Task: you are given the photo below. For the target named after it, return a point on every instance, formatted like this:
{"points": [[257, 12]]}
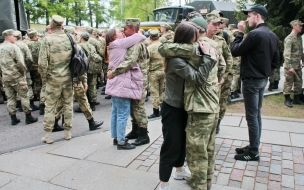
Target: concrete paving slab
{"points": [[31, 184], [35, 165], [109, 154], [177, 184], [6, 178], [91, 175], [239, 133], [231, 120], [222, 187], [275, 137], [297, 139], [48, 147]]}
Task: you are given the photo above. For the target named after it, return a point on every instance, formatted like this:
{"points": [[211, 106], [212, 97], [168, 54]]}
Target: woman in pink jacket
{"points": [[123, 87]]}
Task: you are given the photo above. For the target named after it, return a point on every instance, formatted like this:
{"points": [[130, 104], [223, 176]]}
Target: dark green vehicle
{"points": [[12, 16]]}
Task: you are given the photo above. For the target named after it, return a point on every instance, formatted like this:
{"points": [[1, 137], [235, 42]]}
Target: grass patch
{"points": [[273, 105]]}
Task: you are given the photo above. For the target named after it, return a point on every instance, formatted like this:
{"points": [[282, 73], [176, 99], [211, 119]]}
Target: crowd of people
{"points": [[190, 74]]}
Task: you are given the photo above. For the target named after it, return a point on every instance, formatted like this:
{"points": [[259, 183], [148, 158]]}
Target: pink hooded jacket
{"points": [[130, 83]]}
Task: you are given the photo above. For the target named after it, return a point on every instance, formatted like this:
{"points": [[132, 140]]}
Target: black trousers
{"points": [[173, 149]]}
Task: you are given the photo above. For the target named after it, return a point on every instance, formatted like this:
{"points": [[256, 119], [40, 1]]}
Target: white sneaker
{"points": [[181, 175], [165, 188]]}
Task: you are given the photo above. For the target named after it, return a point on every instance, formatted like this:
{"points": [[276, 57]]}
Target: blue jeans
{"points": [[119, 118], [253, 92]]}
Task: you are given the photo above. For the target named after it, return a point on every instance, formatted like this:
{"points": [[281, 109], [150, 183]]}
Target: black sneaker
{"points": [[241, 150], [115, 142], [247, 156], [125, 146]]}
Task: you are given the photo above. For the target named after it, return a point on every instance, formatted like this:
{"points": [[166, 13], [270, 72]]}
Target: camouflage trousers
{"points": [[42, 93], [92, 93], [200, 145], [81, 98], [225, 92], [1, 85], [236, 77], [293, 79], [37, 82], [138, 111], [58, 94], [11, 91], [104, 71], [275, 75], [30, 94], [156, 84]]}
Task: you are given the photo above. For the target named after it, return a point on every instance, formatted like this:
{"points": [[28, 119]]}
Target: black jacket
{"points": [[259, 52]]}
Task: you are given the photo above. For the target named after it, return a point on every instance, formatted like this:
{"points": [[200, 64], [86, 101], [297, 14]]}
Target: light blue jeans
{"points": [[120, 113]]}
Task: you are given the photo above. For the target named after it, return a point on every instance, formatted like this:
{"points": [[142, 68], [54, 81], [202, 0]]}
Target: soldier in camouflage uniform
{"points": [[213, 23], [156, 73], [136, 54], [167, 33], [236, 68], [293, 55], [28, 60], [53, 66], [202, 106], [13, 73]]}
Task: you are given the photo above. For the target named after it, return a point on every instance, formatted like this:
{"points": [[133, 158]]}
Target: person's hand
{"points": [[109, 74], [205, 47], [222, 81], [242, 26], [292, 70], [85, 86]]}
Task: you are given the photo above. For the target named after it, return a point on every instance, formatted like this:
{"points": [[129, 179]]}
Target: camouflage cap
{"points": [[230, 26], [32, 34], [57, 20], [89, 29], [17, 34], [218, 12], [200, 21], [235, 32], [142, 31], [99, 32], [296, 22], [132, 22], [154, 33], [8, 32], [166, 26], [30, 30], [215, 18], [85, 36], [94, 32], [192, 15], [225, 20], [70, 30]]}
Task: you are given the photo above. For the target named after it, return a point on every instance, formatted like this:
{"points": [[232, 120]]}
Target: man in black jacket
{"points": [[259, 53]]}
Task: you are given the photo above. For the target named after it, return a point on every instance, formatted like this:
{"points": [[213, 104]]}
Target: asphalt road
{"points": [[22, 136]]}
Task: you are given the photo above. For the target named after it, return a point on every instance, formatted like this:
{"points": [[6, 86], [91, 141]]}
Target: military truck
{"points": [[12, 16], [173, 15]]}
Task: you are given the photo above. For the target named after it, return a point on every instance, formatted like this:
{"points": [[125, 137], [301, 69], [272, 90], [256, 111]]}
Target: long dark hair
{"points": [[110, 37]]}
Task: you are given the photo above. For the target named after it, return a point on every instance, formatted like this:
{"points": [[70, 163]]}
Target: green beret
{"points": [[32, 34], [215, 18], [296, 22], [132, 22], [85, 36], [17, 34], [57, 20], [8, 32], [167, 26], [200, 21], [154, 33]]}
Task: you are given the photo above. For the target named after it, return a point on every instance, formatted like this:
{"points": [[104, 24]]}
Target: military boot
{"points": [[78, 110], [14, 121], [297, 99], [155, 114], [1, 99], [41, 109], [19, 106], [57, 127], [67, 135], [270, 86], [143, 137], [288, 101], [134, 134], [48, 138], [92, 105], [97, 103], [218, 127], [94, 125], [30, 119], [275, 85], [34, 108]]}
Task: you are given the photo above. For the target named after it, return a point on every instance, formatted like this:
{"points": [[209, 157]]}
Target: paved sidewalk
{"points": [[92, 162]]}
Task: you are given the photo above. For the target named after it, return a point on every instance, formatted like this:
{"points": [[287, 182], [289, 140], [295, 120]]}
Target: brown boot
{"points": [[48, 138]]}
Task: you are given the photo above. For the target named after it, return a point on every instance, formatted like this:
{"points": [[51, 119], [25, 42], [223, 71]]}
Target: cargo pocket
{"points": [[22, 88]]}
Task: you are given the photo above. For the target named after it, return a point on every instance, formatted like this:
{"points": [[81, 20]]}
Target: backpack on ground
{"points": [[79, 63]]}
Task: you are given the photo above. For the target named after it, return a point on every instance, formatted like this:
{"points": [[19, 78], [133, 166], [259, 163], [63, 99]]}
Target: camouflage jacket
{"points": [[166, 37], [34, 47], [197, 98], [95, 66], [156, 62], [99, 46], [11, 62], [135, 54], [26, 54], [54, 57], [225, 51], [293, 52]]}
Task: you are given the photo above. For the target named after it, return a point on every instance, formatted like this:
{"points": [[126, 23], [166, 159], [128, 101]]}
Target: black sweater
{"points": [[259, 52]]}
